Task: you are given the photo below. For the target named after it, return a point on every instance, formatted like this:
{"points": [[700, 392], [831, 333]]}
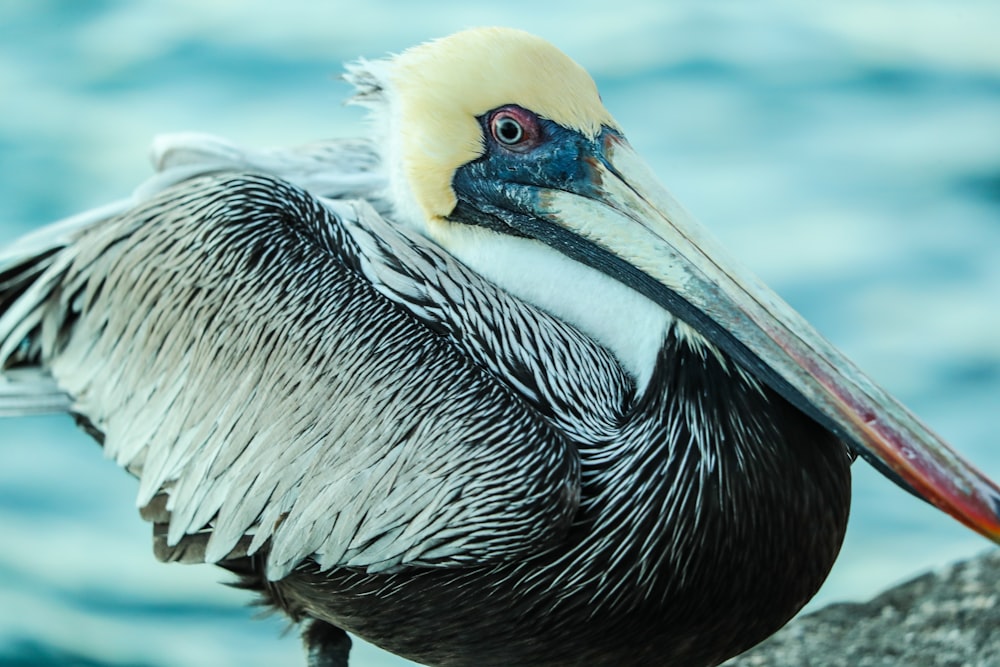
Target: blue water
{"points": [[847, 152]]}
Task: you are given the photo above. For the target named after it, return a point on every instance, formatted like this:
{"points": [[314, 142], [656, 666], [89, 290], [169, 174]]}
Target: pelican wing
{"points": [[221, 337]]}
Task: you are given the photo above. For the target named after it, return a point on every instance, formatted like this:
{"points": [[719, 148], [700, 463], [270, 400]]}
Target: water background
{"points": [[847, 152]]}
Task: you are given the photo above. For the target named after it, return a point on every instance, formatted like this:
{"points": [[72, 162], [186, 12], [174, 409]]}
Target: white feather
{"points": [[625, 322]]}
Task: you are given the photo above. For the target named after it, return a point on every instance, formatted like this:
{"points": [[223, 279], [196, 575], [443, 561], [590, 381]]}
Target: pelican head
{"points": [[500, 150]]}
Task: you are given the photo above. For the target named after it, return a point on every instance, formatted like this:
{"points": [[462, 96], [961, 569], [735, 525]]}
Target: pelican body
{"points": [[476, 389]]}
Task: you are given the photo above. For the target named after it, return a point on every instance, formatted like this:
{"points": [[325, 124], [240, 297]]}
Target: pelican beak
{"points": [[625, 223]]}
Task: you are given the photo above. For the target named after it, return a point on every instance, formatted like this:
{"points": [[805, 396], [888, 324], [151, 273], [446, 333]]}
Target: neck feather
{"points": [[625, 322]]}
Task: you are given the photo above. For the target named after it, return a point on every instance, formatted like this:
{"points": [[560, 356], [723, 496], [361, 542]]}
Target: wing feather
{"points": [[222, 338]]}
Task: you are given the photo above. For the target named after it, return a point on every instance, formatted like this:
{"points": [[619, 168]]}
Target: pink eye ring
{"points": [[515, 128]]}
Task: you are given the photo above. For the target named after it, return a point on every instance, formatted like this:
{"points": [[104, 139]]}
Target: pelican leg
{"points": [[326, 645]]}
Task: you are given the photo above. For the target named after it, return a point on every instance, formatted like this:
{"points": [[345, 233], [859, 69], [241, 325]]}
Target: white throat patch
{"points": [[625, 322]]}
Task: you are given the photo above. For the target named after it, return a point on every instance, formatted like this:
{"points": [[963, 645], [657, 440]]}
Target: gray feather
{"points": [[227, 338]]}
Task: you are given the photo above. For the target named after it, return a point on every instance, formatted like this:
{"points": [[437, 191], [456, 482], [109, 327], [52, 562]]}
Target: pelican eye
{"points": [[515, 128], [508, 131]]}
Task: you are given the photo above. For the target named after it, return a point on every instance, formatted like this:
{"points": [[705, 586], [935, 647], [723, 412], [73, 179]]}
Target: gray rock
{"points": [[949, 618]]}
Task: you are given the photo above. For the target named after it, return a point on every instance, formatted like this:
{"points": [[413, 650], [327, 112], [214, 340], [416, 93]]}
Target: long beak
{"points": [[636, 231]]}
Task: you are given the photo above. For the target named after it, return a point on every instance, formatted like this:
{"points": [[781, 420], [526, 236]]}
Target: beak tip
{"points": [[994, 500], [986, 522]]}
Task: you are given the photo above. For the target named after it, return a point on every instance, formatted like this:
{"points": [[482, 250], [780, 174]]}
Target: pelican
{"points": [[477, 389]]}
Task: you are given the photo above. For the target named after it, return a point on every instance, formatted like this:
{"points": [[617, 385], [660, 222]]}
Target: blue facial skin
{"points": [[501, 191]]}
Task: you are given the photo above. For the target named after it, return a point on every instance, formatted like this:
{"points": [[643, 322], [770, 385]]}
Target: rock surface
{"points": [[948, 618]]}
